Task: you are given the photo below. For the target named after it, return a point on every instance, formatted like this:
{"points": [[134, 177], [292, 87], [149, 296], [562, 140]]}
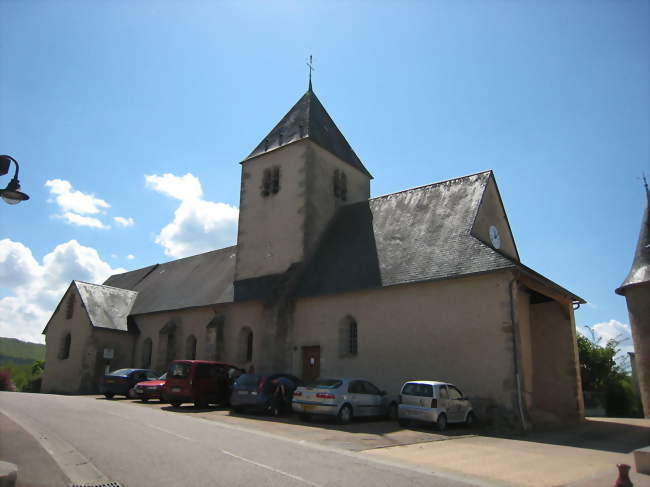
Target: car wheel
{"points": [[392, 412], [200, 404], [441, 424], [305, 417], [471, 420], [403, 422], [108, 395], [175, 404], [345, 414]]}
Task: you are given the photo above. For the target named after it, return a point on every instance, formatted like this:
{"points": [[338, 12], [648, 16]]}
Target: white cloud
{"points": [[198, 225], [124, 222], [182, 188], [76, 201], [83, 221], [130, 257], [38, 287]]}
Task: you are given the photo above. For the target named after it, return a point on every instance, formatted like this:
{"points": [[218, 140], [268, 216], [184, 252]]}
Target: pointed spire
{"points": [[311, 68], [308, 119], [640, 271]]}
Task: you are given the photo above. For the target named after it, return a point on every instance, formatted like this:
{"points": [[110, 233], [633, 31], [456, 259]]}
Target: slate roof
{"points": [[107, 307], [200, 280], [309, 119], [416, 235], [640, 270]]}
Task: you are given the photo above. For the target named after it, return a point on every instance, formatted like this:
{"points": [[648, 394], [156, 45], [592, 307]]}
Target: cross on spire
{"points": [[311, 68]]}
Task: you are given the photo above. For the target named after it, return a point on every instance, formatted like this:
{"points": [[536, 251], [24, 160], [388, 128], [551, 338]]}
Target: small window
{"points": [[271, 181], [443, 393], [179, 371], [340, 185], [69, 308], [65, 346], [371, 389], [356, 387], [348, 337]]}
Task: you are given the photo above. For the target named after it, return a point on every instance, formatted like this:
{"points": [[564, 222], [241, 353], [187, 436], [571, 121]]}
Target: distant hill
{"points": [[19, 352]]}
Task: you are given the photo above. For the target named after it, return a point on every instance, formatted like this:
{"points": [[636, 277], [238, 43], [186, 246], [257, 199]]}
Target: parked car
{"points": [[251, 391], [150, 389], [122, 380], [343, 398], [199, 381], [434, 402]]}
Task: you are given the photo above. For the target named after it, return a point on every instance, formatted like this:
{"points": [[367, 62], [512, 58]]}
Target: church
{"points": [[324, 281]]}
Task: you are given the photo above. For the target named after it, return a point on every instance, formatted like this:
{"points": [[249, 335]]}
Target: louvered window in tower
{"points": [[271, 181], [340, 185]]}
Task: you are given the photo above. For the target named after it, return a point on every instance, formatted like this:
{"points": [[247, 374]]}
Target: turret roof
{"points": [[640, 271], [309, 119]]}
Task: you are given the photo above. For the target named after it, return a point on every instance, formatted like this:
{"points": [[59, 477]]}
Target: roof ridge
{"points": [[430, 184]]}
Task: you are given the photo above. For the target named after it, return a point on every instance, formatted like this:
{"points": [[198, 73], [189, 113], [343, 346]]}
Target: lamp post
{"points": [[11, 194]]}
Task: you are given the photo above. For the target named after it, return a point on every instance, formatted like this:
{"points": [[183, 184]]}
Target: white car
{"points": [[433, 402]]}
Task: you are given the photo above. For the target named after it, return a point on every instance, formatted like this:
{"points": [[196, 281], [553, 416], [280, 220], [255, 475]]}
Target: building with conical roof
{"points": [[636, 289], [425, 283]]}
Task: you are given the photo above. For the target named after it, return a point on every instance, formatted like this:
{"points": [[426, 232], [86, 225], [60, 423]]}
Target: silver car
{"points": [[343, 398], [434, 402]]}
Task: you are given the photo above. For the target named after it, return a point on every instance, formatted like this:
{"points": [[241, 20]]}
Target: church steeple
{"points": [[309, 119], [640, 271]]}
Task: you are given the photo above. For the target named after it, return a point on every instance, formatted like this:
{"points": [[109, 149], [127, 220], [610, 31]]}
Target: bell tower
{"points": [[291, 185], [636, 289]]}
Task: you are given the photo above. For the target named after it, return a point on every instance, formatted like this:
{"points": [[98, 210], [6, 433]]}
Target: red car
{"points": [[199, 381], [150, 389]]}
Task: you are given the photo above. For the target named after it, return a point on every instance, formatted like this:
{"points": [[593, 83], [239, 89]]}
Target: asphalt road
{"points": [[95, 440]]}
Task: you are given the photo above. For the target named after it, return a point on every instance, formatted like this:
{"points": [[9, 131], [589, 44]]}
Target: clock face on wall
{"points": [[495, 238]]}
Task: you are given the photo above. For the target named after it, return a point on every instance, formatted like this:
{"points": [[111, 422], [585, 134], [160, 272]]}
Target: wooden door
{"points": [[310, 363]]}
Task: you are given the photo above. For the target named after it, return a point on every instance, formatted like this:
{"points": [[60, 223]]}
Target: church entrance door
{"points": [[310, 363]]}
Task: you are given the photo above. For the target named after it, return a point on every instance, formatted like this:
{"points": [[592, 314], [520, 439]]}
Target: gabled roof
{"points": [[415, 235], [107, 307], [308, 119], [640, 270], [200, 280]]}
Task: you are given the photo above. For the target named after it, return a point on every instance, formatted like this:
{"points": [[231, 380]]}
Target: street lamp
{"points": [[11, 194]]}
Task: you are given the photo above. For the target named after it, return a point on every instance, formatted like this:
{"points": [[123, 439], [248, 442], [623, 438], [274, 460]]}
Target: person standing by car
{"points": [[280, 397]]}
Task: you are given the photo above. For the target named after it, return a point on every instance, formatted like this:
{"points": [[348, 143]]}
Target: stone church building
{"points": [[424, 283]]}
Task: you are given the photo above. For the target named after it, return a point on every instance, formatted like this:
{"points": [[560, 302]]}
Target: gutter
{"points": [[515, 351]]}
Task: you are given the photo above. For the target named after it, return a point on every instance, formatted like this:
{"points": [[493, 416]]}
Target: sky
{"points": [[129, 121]]}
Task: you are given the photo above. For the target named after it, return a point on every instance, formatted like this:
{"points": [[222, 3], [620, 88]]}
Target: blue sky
{"points": [[96, 96]]}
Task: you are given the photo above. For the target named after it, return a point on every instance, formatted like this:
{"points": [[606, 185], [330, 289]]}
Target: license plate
{"points": [[308, 407], [242, 393], [176, 389]]}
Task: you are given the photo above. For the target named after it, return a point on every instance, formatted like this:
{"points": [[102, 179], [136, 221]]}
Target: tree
{"points": [[601, 373]]}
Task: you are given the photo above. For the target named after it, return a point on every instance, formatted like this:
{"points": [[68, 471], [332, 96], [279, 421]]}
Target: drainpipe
{"points": [[515, 330]]}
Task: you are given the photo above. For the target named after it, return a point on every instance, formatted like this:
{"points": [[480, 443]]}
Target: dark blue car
{"points": [[122, 380], [267, 393]]}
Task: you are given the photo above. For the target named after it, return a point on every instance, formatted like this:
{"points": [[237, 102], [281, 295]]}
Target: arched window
{"points": [[246, 344], [146, 353], [65, 346], [348, 337], [190, 348]]}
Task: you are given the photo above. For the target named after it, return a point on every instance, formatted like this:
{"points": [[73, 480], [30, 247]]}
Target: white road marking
{"points": [[169, 432], [267, 467]]}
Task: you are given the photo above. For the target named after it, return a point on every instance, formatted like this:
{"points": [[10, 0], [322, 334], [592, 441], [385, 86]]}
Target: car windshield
{"points": [[325, 384], [180, 371], [247, 380], [121, 372], [163, 377]]}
